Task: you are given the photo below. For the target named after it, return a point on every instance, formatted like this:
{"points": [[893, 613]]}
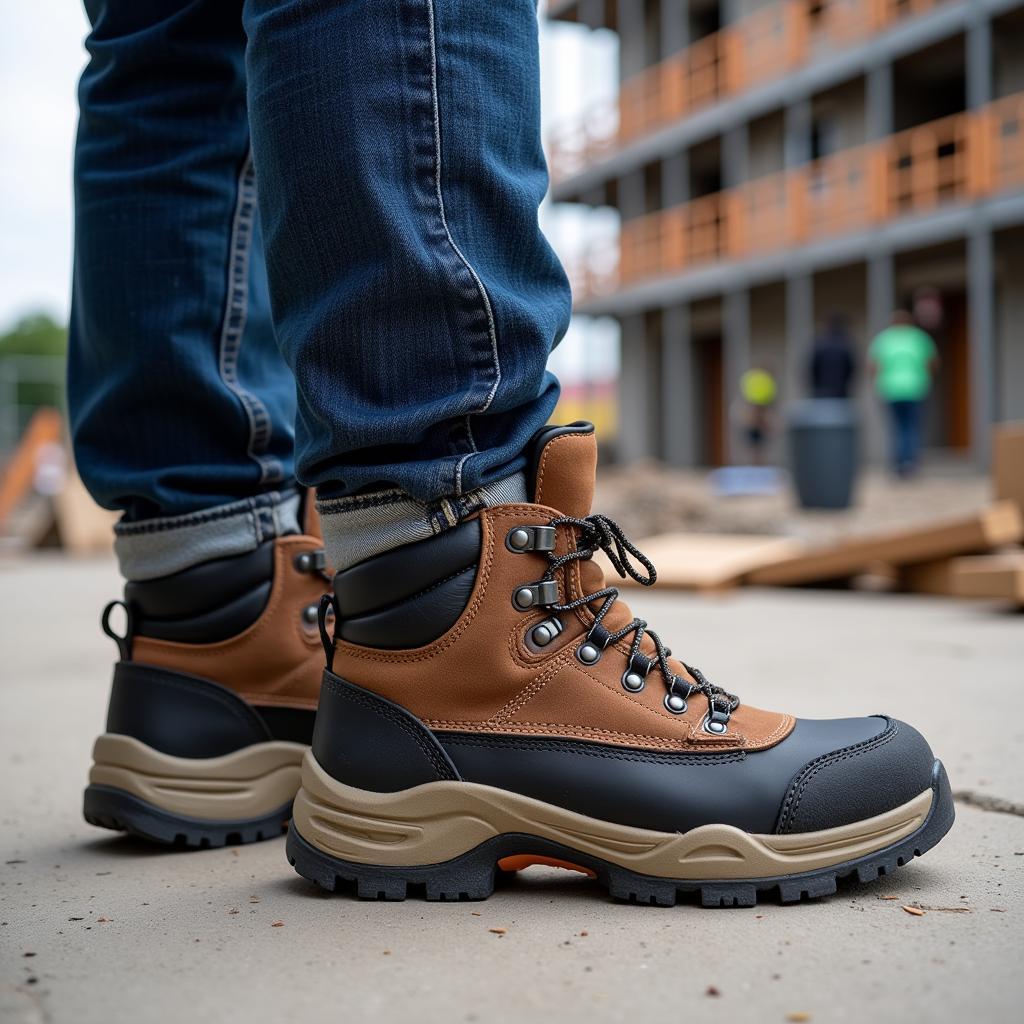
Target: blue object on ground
{"points": [[733, 481]]}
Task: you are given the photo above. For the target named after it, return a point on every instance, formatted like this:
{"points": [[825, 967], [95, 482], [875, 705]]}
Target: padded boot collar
{"points": [[563, 468], [275, 660]]}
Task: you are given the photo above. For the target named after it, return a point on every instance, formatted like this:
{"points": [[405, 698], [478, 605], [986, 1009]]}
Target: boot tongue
{"points": [[565, 462]]}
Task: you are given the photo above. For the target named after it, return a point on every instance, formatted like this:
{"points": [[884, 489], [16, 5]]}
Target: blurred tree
{"points": [[36, 335]]}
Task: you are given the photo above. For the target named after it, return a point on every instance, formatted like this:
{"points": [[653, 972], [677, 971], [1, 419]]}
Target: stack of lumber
{"points": [[997, 576], [978, 555], [906, 550], [973, 556], [707, 561]]}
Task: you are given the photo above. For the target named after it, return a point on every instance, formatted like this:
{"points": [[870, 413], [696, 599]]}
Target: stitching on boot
{"points": [[395, 717], [228, 700], [560, 729], [791, 804], [619, 755]]}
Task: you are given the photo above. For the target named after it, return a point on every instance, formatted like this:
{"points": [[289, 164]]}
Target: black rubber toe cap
{"points": [[858, 780]]}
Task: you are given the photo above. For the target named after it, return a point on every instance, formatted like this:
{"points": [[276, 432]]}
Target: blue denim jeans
{"points": [[906, 435], [307, 245]]}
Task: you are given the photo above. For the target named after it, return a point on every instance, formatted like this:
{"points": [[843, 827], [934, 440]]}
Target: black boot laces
{"points": [[598, 532]]}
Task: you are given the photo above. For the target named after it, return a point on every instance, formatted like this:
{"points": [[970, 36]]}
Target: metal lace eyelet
{"points": [[540, 635], [543, 634], [633, 681], [531, 595], [675, 703], [716, 723], [530, 538], [310, 614], [635, 677], [588, 653], [311, 561]]}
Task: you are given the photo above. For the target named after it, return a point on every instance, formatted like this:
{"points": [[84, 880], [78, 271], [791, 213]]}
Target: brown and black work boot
{"points": [[490, 703], [213, 700]]}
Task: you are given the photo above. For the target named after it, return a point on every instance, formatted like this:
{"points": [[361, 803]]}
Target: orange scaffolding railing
{"points": [[957, 159], [768, 43]]}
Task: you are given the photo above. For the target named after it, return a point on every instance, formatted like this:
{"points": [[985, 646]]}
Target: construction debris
{"points": [[1008, 462], [709, 562], [997, 577], [967, 555], [999, 525]]}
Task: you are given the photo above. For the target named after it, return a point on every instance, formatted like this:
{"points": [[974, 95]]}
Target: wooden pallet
{"points": [[1008, 462], [707, 561], [997, 577], [998, 525]]}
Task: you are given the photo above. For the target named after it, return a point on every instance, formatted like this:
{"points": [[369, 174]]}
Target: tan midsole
{"points": [[247, 783], [441, 820]]}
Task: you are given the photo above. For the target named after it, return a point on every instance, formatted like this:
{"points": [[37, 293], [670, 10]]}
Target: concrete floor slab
{"points": [[123, 932]]}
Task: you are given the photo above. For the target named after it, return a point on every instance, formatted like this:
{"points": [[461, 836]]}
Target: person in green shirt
{"points": [[903, 359]]}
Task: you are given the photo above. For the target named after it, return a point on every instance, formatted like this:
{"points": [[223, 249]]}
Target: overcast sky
{"points": [[40, 60], [41, 57]]}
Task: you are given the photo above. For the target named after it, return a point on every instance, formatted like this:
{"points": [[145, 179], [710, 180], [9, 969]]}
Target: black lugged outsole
{"points": [[115, 809], [472, 875]]}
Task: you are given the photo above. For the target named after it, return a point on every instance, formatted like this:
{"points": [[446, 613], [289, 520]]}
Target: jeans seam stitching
{"points": [[236, 311], [485, 299]]}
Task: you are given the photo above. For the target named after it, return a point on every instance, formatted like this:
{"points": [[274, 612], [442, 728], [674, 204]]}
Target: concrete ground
{"points": [[96, 927]]}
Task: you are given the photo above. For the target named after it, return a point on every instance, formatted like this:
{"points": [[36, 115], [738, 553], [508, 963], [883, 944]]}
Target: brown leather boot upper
{"points": [[278, 660], [484, 676]]}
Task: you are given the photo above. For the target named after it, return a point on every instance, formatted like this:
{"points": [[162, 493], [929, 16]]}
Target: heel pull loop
{"points": [[124, 643], [328, 603]]}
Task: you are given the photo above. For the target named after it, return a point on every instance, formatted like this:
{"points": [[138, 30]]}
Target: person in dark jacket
{"points": [[833, 365]]}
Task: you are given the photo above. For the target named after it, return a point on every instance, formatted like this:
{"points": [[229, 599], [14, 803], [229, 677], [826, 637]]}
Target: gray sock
{"points": [[158, 547], [364, 525]]}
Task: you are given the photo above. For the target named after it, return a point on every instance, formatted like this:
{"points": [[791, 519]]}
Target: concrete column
{"points": [[881, 290], [678, 429], [736, 360], [879, 101], [632, 49], [798, 119], [635, 373], [799, 333], [592, 13], [981, 325], [979, 59], [675, 26], [731, 11], [881, 301], [632, 194], [735, 156], [675, 179]]}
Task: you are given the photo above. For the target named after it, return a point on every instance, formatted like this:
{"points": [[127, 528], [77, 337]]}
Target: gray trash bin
{"points": [[823, 451]]}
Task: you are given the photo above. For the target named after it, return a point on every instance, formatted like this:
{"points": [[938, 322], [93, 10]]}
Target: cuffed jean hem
{"points": [[159, 547], [364, 525]]}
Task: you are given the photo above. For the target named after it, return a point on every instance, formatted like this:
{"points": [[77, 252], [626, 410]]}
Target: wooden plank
{"points": [[993, 527], [1008, 462], [705, 561], [934, 577], [998, 577]]}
